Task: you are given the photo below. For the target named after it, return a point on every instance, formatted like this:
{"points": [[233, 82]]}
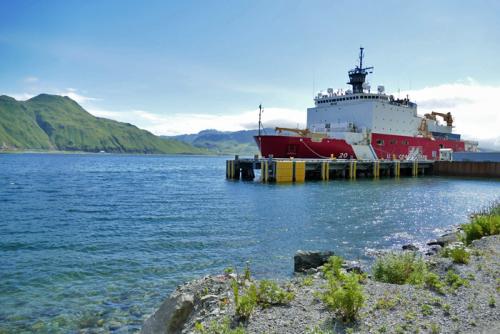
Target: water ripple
{"points": [[88, 239]]}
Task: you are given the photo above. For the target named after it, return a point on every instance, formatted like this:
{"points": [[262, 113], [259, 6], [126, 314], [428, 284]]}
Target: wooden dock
{"points": [[300, 170]]}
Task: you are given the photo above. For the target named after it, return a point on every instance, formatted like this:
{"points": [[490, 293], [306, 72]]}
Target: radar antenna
{"points": [[357, 75]]}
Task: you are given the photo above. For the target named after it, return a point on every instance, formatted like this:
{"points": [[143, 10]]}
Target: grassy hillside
{"points": [[237, 142], [56, 122], [18, 127]]}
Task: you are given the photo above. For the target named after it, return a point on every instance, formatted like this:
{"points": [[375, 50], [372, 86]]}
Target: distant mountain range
{"points": [[52, 122], [224, 142]]}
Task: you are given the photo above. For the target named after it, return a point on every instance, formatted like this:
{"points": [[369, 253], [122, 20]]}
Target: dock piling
{"points": [[301, 170]]}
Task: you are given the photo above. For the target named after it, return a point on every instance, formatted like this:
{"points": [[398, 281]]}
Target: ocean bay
{"points": [[106, 237]]}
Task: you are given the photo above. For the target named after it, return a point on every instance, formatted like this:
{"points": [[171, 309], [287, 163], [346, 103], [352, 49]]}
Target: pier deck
{"points": [[300, 170]]}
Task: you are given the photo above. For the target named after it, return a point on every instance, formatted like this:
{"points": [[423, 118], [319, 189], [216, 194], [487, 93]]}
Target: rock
{"points": [[171, 315], [311, 271], [209, 298], [444, 240], [304, 260], [433, 250], [410, 247], [436, 249], [354, 266]]}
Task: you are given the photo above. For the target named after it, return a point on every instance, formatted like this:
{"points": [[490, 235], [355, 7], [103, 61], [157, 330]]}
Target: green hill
{"points": [[224, 142], [56, 122]]}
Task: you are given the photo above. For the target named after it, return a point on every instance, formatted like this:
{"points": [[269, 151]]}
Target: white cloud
{"points": [[72, 93], [175, 124], [474, 107], [21, 96], [30, 80]]}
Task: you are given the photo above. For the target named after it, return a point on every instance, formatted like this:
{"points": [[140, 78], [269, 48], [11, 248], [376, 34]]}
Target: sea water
{"points": [[96, 242]]}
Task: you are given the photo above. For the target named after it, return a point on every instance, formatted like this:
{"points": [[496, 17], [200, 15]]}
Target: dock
{"points": [[301, 170]]}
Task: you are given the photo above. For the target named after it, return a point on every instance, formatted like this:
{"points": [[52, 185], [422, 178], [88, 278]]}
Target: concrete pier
{"points": [[300, 170]]}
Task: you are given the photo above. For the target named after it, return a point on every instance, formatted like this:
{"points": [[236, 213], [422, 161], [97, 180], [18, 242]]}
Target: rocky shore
{"points": [[464, 299]]}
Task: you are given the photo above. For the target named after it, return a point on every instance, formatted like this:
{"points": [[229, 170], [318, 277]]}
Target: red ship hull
{"points": [[385, 147]]}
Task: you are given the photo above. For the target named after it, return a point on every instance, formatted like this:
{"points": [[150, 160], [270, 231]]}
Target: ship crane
{"points": [[446, 117], [300, 132], [424, 129]]}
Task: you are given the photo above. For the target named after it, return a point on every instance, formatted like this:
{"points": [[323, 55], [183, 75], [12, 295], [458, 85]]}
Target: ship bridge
{"points": [[360, 111]]}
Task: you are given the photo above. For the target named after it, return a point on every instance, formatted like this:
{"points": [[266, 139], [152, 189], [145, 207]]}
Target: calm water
{"points": [[97, 241]]}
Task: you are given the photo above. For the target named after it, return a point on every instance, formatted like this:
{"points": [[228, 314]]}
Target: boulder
{"points": [[433, 250], [444, 240], [171, 316], [410, 247], [353, 266], [304, 260]]}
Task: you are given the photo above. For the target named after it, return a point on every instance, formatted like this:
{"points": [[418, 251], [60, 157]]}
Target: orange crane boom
{"points": [[302, 133], [446, 117]]}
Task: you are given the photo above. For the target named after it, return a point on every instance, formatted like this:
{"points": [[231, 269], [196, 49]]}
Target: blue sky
{"points": [[177, 66]]}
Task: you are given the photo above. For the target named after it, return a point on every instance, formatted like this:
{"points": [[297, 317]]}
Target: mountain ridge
{"points": [[223, 142], [54, 122]]}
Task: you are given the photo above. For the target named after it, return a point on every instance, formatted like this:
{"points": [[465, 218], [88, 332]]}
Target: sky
{"points": [[176, 67]]}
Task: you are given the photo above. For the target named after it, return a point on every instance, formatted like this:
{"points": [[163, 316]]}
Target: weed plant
{"points": [[269, 293], [426, 310], [307, 281], [482, 224], [454, 280], [400, 268], [344, 293], [458, 254], [222, 327], [244, 303], [433, 282], [317, 330], [386, 303]]}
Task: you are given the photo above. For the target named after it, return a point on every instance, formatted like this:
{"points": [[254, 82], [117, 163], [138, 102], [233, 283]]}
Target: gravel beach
{"points": [[388, 308]]}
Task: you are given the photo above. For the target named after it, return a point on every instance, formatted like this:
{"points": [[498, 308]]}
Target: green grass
{"points": [[307, 281], [426, 310], [318, 330], [492, 301], [454, 280], [344, 294], [386, 303], [400, 268], [458, 254], [269, 293], [434, 282], [56, 122], [244, 303], [218, 327], [483, 224]]}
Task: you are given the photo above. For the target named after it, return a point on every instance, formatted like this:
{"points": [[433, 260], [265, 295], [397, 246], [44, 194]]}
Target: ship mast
{"points": [[357, 75], [260, 117]]}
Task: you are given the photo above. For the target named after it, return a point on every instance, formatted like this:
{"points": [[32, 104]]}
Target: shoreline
{"points": [[197, 305], [104, 153]]}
